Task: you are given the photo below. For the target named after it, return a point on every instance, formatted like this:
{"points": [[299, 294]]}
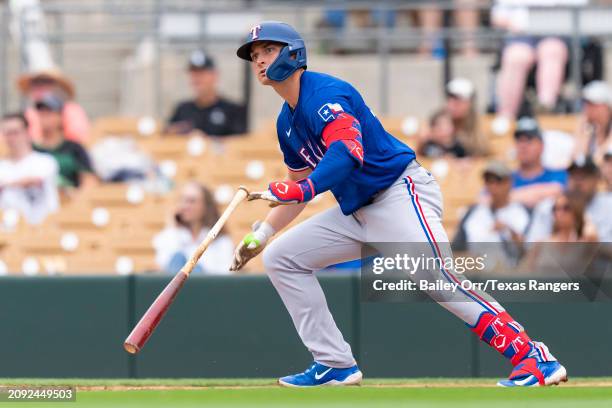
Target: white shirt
{"points": [[215, 261], [480, 232], [479, 227], [36, 202]]}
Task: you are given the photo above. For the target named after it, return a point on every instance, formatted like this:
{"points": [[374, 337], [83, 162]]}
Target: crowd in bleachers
{"points": [[521, 204], [513, 183], [54, 160]]}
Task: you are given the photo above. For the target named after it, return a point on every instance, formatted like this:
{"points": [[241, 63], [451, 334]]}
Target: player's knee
{"points": [[276, 257], [272, 257], [268, 259]]}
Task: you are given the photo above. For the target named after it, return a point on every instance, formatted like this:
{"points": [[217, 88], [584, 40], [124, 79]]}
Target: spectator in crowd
{"points": [[440, 141], [569, 226], [74, 165], [461, 105], [497, 221], [568, 220], [583, 181], [207, 112], [28, 179], [594, 134], [74, 119], [521, 53], [532, 182], [195, 214]]}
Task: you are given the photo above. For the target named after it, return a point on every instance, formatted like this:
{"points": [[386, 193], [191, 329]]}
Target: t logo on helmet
{"points": [[255, 32]]}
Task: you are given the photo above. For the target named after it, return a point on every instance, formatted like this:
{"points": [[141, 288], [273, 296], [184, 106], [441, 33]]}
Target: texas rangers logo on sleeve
{"points": [[329, 111]]}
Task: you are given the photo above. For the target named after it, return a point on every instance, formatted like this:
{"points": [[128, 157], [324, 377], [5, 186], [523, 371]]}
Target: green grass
{"points": [[439, 392]]}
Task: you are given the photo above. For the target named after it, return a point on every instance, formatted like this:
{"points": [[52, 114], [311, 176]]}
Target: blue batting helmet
{"points": [[283, 66]]}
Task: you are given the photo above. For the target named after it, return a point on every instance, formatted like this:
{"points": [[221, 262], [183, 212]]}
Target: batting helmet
{"points": [[283, 66]]}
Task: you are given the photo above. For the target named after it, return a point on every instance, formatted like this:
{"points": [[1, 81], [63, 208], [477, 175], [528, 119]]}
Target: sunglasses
{"points": [[43, 81], [490, 178], [562, 207], [41, 107]]}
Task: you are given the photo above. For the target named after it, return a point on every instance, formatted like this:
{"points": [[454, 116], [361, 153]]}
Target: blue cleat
{"points": [[533, 373], [319, 374]]}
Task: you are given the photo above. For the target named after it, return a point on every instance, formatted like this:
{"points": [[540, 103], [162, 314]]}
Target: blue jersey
{"points": [[547, 176], [322, 97]]}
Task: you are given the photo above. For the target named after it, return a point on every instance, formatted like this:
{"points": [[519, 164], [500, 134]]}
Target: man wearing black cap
{"points": [[532, 182], [583, 182], [75, 168], [208, 112]]}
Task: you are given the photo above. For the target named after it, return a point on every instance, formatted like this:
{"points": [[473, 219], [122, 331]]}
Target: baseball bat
{"points": [[149, 321]]}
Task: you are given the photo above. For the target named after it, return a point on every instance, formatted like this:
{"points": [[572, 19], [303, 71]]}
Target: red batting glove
{"points": [[292, 191]]}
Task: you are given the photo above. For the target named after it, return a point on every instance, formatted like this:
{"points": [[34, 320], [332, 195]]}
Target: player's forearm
{"points": [[533, 194], [336, 166], [281, 216]]}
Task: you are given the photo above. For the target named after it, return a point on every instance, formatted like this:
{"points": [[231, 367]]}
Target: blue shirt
{"points": [[299, 131], [547, 176]]}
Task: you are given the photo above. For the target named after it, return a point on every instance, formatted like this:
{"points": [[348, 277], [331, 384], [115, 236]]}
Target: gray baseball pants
{"points": [[410, 210]]}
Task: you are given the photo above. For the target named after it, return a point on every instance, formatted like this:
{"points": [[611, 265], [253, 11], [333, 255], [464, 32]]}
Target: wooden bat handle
{"points": [[239, 197], [149, 321]]}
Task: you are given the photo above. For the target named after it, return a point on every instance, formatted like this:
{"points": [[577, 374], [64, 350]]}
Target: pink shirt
{"points": [[75, 121]]}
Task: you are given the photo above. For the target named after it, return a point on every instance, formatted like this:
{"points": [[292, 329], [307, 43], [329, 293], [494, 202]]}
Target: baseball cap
{"points": [[584, 164], [497, 169], [527, 126], [51, 102], [199, 60], [461, 88], [597, 92]]}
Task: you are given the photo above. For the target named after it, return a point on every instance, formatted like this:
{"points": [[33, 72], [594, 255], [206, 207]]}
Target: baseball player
{"points": [[331, 140]]}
